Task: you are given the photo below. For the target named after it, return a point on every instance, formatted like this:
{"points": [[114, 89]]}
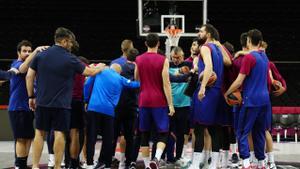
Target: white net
{"points": [[171, 41]]}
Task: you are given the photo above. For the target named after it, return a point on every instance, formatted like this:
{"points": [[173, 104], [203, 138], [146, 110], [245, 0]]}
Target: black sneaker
{"points": [[99, 166], [132, 165], [115, 163], [234, 158], [154, 164]]}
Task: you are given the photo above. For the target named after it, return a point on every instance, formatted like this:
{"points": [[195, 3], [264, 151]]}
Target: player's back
{"points": [[150, 66]]}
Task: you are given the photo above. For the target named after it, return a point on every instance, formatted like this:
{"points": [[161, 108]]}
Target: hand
{"points": [[279, 92], [32, 104], [100, 66], [217, 43], [201, 93], [16, 71], [237, 54], [172, 110], [41, 48]]}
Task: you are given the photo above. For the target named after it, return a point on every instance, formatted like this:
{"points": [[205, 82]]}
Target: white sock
{"points": [[197, 159], [184, 151], [246, 163], [225, 158], [252, 156], [270, 156], [206, 155], [158, 153], [122, 157], [214, 160], [146, 161], [261, 164], [233, 148], [51, 157]]}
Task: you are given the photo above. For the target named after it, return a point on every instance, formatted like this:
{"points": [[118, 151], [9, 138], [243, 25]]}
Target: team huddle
{"points": [[215, 101]]}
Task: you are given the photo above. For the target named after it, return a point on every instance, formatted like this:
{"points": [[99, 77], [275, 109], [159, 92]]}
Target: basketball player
{"points": [[253, 76], [204, 100], [54, 70], [275, 75], [106, 89], [155, 99], [21, 118]]}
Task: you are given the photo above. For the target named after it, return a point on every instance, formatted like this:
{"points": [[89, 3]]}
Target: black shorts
{"points": [[57, 119], [77, 115], [22, 124]]}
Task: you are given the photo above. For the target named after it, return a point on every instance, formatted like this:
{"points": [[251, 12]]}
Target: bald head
{"points": [[116, 67]]}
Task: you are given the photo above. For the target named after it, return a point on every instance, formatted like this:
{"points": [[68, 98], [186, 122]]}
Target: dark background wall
{"points": [[100, 26]]}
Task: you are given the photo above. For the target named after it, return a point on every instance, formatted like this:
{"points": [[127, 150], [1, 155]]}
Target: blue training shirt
{"points": [[121, 61], [18, 100], [106, 90]]}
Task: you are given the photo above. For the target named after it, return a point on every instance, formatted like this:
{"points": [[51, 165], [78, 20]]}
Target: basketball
{"points": [[235, 98], [211, 80], [184, 70], [276, 85]]}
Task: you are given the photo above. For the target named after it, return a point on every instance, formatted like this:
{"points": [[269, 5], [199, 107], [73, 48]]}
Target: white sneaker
{"points": [[183, 162], [83, 165], [62, 164], [90, 167], [51, 160], [272, 166], [122, 165]]}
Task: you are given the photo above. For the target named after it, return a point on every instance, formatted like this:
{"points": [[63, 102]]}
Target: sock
{"points": [[214, 160], [197, 159], [246, 163], [225, 156], [184, 151], [146, 161], [270, 156], [252, 156], [233, 148], [21, 162], [206, 155], [261, 163], [51, 157], [122, 157], [158, 153]]}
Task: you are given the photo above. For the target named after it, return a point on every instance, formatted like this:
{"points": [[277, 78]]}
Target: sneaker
{"points": [[162, 163], [272, 166], [122, 165], [154, 164], [83, 164], [100, 166], [132, 165], [51, 161], [234, 158], [115, 163], [183, 162], [247, 167], [90, 167]]}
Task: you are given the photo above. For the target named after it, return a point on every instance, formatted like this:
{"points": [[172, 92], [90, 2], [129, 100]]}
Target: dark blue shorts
{"points": [[57, 119], [22, 124], [205, 111], [158, 116], [77, 114]]}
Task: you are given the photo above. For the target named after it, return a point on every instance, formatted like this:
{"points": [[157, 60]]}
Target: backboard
{"points": [[155, 15]]}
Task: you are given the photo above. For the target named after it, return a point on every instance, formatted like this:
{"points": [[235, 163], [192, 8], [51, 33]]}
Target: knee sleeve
{"points": [[215, 132], [162, 137], [199, 140], [145, 139]]}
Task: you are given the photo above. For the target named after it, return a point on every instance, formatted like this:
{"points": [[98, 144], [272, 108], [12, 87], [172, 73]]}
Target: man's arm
{"points": [[236, 84], [6, 75], [225, 54], [130, 84], [167, 87], [31, 74], [25, 65], [136, 73], [208, 70], [179, 78], [92, 71]]}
